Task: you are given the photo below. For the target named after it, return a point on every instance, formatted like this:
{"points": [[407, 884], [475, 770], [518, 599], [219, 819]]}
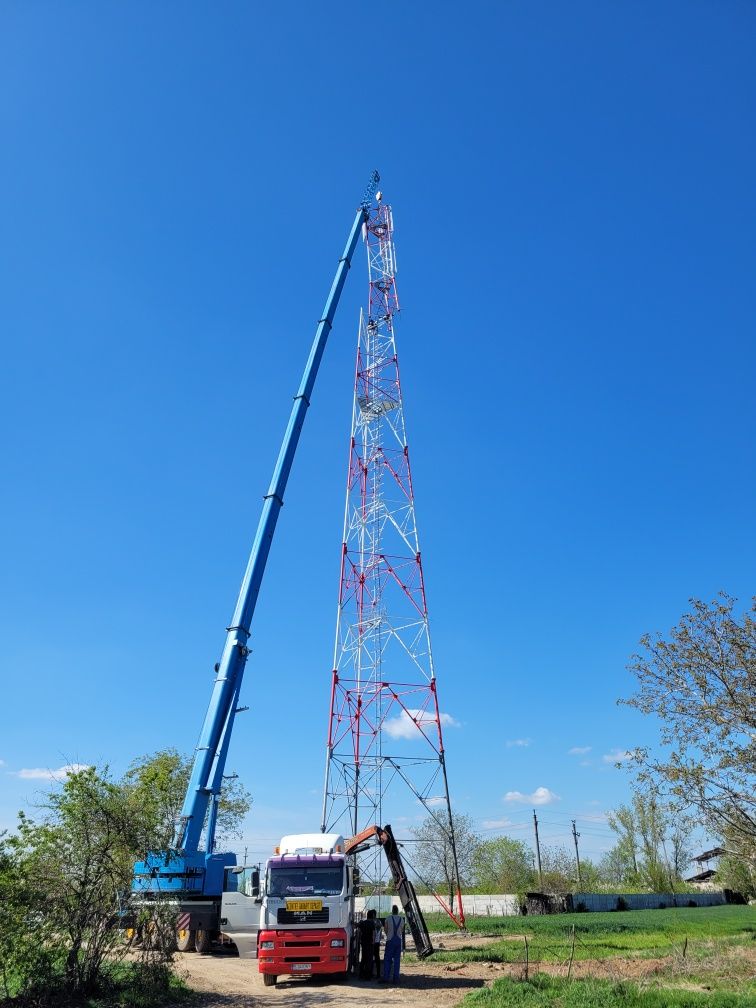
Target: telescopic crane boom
{"points": [[191, 870]]}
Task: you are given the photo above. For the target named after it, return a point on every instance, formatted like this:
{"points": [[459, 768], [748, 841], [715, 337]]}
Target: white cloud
{"points": [[595, 817], [541, 796], [40, 773], [496, 823], [617, 756], [518, 742], [434, 802], [447, 721], [579, 750], [585, 762], [407, 723]]}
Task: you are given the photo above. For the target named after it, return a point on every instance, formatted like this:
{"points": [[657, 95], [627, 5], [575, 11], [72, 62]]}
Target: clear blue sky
{"points": [[575, 208]]}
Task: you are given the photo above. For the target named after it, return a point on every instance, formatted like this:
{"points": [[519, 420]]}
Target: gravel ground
{"points": [[225, 982]]}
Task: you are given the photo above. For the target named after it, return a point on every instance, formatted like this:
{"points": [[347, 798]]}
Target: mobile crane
{"points": [[193, 878]]}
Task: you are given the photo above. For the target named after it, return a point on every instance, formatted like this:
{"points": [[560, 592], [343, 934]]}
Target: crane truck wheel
{"points": [[269, 980], [202, 941], [185, 940]]}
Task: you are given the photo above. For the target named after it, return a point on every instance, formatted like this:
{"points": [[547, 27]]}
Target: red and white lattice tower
{"points": [[385, 741]]}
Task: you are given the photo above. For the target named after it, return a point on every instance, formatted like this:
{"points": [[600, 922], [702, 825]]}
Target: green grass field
{"points": [[543, 991], [598, 935], [706, 957]]}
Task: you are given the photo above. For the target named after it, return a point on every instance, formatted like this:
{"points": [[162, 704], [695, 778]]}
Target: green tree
{"points": [[592, 878], [622, 821], [26, 962], [618, 869], [433, 856], [700, 684], [61, 880], [156, 786], [559, 869], [63, 877], [503, 865], [737, 874], [653, 843]]}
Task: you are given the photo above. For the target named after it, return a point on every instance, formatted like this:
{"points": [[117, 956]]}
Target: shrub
{"points": [[60, 881]]}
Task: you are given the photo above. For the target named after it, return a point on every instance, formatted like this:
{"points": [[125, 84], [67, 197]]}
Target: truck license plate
{"points": [[303, 905], [301, 966]]}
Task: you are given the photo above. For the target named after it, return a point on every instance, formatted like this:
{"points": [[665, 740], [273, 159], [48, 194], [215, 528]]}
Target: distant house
{"points": [[706, 875]]}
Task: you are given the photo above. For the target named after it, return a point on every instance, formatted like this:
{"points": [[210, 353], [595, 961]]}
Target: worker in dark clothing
{"points": [[366, 931], [377, 932]]}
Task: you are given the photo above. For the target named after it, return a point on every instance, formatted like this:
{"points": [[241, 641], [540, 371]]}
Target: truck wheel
{"points": [[185, 939], [269, 980], [202, 941]]}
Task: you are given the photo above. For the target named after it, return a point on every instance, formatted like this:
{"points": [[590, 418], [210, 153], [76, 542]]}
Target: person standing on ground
{"points": [[366, 931], [378, 926], [394, 928]]}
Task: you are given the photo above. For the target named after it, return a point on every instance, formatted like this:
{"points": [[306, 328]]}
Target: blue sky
{"points": [[575, 211]]}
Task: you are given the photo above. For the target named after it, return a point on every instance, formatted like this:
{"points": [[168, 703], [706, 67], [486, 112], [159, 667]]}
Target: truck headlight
{"points": [[337, 943], [270, 945]]}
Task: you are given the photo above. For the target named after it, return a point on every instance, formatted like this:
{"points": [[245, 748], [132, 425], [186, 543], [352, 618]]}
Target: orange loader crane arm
{"points": [[361, 842], [404, 887]]}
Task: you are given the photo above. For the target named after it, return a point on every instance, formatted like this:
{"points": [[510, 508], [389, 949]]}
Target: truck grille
{"points": [[303, 916]]}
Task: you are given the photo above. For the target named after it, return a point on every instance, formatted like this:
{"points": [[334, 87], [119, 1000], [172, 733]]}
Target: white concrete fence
{"points": [[476, 906], [507, 905], [647, 901]]}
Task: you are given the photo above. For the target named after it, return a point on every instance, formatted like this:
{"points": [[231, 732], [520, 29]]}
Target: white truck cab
{"points": [[307, 909]]}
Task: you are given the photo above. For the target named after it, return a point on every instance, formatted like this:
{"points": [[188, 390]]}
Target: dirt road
{"points": [[227, 982], [233, 983]]}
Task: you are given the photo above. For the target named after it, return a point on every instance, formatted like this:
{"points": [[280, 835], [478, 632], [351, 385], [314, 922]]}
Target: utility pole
{"points": [[575, 836], [538, 852]]}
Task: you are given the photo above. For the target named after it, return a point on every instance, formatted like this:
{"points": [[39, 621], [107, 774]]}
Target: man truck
{"points": [[300, 918]]}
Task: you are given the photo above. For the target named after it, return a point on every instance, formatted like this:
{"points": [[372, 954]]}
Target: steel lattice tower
{"points": [[385, 732]]}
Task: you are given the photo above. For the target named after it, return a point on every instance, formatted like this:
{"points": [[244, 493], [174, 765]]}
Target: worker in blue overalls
{"points": [[394, 928]]}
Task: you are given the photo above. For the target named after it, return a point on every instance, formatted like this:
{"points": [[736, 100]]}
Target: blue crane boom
{"points": [[189, 869]]}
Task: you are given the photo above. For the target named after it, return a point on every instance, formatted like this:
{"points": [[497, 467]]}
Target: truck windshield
{"points": [[325, 881]]}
